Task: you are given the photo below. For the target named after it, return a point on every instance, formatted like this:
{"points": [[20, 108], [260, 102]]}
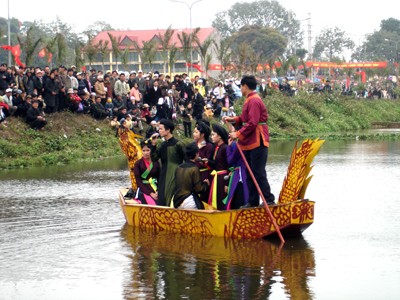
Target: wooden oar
{"points": [[259, 190]]}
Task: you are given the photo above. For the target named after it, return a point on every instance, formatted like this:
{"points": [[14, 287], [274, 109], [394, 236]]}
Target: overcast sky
{"points": [[354, 17]]}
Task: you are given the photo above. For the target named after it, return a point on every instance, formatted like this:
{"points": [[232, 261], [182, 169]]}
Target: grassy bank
{"points": [[72, 138], [66, 138]]}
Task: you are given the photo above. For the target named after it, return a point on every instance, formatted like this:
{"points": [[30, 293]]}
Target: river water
{"points": [[63, 236]]}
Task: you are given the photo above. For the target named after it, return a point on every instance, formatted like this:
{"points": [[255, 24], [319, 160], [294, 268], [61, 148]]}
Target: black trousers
{"points": [[187, 126], [257, 160], [38, 124]]}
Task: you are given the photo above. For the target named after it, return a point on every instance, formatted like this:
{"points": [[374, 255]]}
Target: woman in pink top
{"points": [[135, 92]]}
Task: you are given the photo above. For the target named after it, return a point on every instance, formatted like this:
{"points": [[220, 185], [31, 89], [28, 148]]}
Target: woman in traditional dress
{"points": [[146, 174], [238, 192], [219, 164], [201, 136]]}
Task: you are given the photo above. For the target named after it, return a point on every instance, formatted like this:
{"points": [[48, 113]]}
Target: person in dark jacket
{"points": [[188, 183], [98, 110], [50, 92], [38, 82], [23, 108], [186, 90], [198, 105], [154, 93], [35, 117], [28, 82], [187, 117], [3, 78], [82, 89]]}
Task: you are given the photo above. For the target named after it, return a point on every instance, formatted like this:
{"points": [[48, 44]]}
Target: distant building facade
{"points": [[133, 45]]}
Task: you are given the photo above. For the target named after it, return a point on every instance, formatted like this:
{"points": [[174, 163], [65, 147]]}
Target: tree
{"points": [[243, 51], [264, 41], [61, 48], [165, 42], [223, 49], [391, 25], [207, 62], [293, 62], [382, 44], [187, 40], [57, 26], [139, 50], [262, 13], [173, 50], [285, 66], [125, 58], [149, 52], [332, 42], [29, 45], [79, 61], [115, 41], [254, 61], [90, 51], [301, 53], [95, 28], [102, 47], [203, 48], [50, 47], [65, 40]]}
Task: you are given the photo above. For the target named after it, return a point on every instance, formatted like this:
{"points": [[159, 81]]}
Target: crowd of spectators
{"points": [[375, 88], [139, 98], [32, 93]]}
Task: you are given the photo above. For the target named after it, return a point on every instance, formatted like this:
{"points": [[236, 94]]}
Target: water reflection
{"points": [[171, 266]]}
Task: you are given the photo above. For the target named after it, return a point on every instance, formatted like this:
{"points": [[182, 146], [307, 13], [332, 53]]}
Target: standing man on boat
{"points": [[171, 153], [253, 138]]}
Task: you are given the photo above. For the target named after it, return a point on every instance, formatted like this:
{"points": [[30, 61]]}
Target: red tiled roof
{"points": [[141, 36]]}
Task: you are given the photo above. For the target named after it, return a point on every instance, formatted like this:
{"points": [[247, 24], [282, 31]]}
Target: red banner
{"points": [[379, 64], [311, 64], [16, 52], [218, 67], [44, 52], [197, 67]]}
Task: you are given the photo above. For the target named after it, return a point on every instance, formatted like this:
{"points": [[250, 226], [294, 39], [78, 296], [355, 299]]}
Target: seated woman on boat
{"points": [[219, 165], [201, 136], [188, 183], [146, 174], [238, 192]]}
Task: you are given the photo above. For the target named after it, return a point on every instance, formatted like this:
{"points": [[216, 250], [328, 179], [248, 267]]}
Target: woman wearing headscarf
{"points": [[201, 136], [219, 165], [146, 174]]}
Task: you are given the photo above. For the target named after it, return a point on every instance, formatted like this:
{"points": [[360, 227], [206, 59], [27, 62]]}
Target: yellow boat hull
{"points": [[250, 223]]}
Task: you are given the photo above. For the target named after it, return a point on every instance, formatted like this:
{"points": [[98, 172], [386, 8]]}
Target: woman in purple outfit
{"points": [[238, 192]]}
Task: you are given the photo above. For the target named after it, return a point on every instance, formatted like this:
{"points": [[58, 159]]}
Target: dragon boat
{"points": [[292, 214]]}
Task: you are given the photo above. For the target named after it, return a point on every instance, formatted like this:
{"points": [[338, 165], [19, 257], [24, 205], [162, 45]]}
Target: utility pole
{"points": [[191, 30], [309, 37], [9, 33]]}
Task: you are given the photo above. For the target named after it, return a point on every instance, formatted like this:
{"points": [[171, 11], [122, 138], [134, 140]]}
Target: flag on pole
{"points": [[16, 52]]}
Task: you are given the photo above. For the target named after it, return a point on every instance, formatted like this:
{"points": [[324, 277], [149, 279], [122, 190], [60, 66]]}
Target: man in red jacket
{"points": [[253, 137]]}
